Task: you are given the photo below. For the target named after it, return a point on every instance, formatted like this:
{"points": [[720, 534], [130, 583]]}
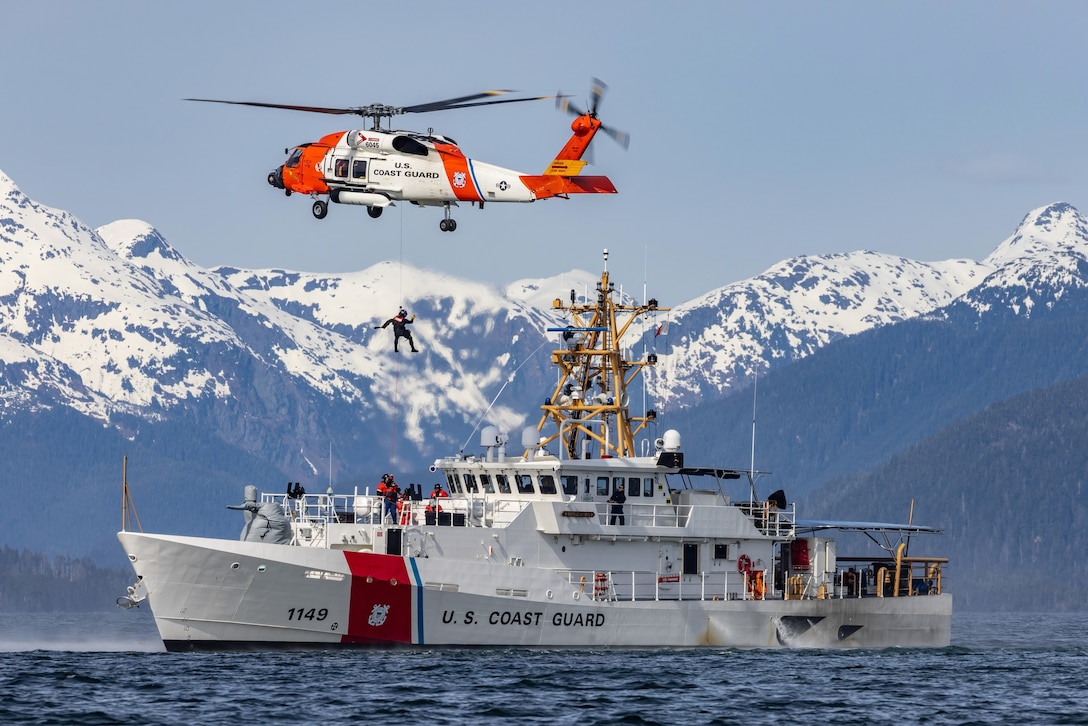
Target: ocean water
{"points": [[110, 668]]}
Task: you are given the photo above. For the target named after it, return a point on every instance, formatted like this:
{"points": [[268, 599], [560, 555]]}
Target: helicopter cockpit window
{"points": [[358, 169], [408, 145], [295, 157]]}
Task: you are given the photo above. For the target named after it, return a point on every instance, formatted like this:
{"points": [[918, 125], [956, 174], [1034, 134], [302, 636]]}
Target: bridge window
{"points": [[547, 484], [470, 483], [648, 487], [503, 482], [525, 484], [633, 487], [570, 485], [454, 485], [485, 482], [602, 486]]}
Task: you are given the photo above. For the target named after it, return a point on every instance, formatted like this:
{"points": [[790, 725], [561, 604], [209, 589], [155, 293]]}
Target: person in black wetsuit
{"points": [[400, 322]]}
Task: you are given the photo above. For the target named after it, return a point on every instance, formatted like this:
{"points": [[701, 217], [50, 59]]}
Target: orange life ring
{"points": [[744, 564]]}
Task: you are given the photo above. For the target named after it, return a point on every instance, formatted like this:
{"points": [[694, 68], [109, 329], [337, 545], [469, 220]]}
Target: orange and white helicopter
{"points": [[376, 167]]}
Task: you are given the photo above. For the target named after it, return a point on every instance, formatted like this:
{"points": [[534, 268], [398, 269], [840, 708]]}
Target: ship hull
{"points": [[209, 594]]}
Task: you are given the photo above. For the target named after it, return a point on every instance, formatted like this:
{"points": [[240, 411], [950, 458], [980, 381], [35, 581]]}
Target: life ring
{"points": [[744, 564]]}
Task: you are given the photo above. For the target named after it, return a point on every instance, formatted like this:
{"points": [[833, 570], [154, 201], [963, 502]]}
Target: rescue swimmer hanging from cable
{"points": [[377, 167]]}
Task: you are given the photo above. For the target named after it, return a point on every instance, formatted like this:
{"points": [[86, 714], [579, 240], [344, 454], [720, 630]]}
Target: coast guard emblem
{"points": [[459, 179], [377, 615]]}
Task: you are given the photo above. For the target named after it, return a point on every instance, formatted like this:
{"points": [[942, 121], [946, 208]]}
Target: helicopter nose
{"points": [[275, 177]]}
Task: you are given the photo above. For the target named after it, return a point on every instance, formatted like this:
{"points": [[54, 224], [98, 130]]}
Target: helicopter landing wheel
{"points": [[374, 212], [447, 225], [321, 208]]}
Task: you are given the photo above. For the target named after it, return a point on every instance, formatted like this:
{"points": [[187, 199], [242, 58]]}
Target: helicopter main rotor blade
{"points": [[413, 109], [313, 109]]}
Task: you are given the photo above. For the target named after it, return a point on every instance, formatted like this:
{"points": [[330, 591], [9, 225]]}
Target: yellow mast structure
{"points": [[590, 401]]}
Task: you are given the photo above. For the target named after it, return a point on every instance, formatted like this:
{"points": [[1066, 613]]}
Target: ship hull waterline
{"points": [[213, 594]]}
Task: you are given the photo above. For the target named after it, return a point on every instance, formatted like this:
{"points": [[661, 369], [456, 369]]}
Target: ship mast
{"points": [[590, 401]]}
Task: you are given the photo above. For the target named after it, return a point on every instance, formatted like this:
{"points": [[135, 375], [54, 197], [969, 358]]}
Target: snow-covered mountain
{"points": [[719, 341], [117, 325], [1042, 263]]}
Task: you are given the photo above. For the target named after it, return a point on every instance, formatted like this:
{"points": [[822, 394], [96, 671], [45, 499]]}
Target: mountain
{"points": [[719, 341], [1007, 485]]}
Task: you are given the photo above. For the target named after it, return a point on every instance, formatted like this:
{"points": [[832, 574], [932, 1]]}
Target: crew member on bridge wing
{"points": [[617, 500]]}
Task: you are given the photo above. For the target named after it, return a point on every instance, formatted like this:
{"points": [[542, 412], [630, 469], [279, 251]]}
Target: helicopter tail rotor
{"points": [[596, 92]]}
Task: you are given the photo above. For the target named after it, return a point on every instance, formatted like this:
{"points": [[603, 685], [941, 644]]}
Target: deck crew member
{"points": [[391, 496], [616, 500]]}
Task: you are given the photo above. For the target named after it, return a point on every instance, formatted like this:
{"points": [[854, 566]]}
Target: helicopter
{"points": [[377, 167]]}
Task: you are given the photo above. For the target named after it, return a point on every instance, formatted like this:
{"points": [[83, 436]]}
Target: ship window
{"points": [[470, 483], [721, 552], [602, 486], [485, 482], [648, 487], [340, 168], [358, 169], [454, 485], [503, 482], [633, 489], [525, 484], [570, 485], [547, 484]]}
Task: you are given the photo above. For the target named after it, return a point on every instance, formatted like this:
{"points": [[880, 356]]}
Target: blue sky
{"points": [[760, 131]]}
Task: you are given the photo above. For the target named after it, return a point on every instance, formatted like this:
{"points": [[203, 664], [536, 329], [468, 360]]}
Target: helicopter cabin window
{"points": [[525, 484], [454, 485], [340, 167], [547, 484], [408, 145], [503, 482], [485, 483], [602, 486], [470, 483], [570, 485], [358, 169]]}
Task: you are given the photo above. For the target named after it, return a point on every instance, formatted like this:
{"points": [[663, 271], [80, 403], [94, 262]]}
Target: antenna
{"points": [[752, 466]]}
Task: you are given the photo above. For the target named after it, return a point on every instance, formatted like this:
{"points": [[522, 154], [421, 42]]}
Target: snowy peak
{"points": [[1055, 234], [1045, 260], [796, 307], [137, 239]]}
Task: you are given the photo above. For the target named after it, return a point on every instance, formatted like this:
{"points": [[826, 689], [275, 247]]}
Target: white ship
{"points": [[528, 550]]}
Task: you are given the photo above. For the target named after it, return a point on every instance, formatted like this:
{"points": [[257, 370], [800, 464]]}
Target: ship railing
{"points": [[918, 576], [635, 585], [647, 515], [770, 519]]}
